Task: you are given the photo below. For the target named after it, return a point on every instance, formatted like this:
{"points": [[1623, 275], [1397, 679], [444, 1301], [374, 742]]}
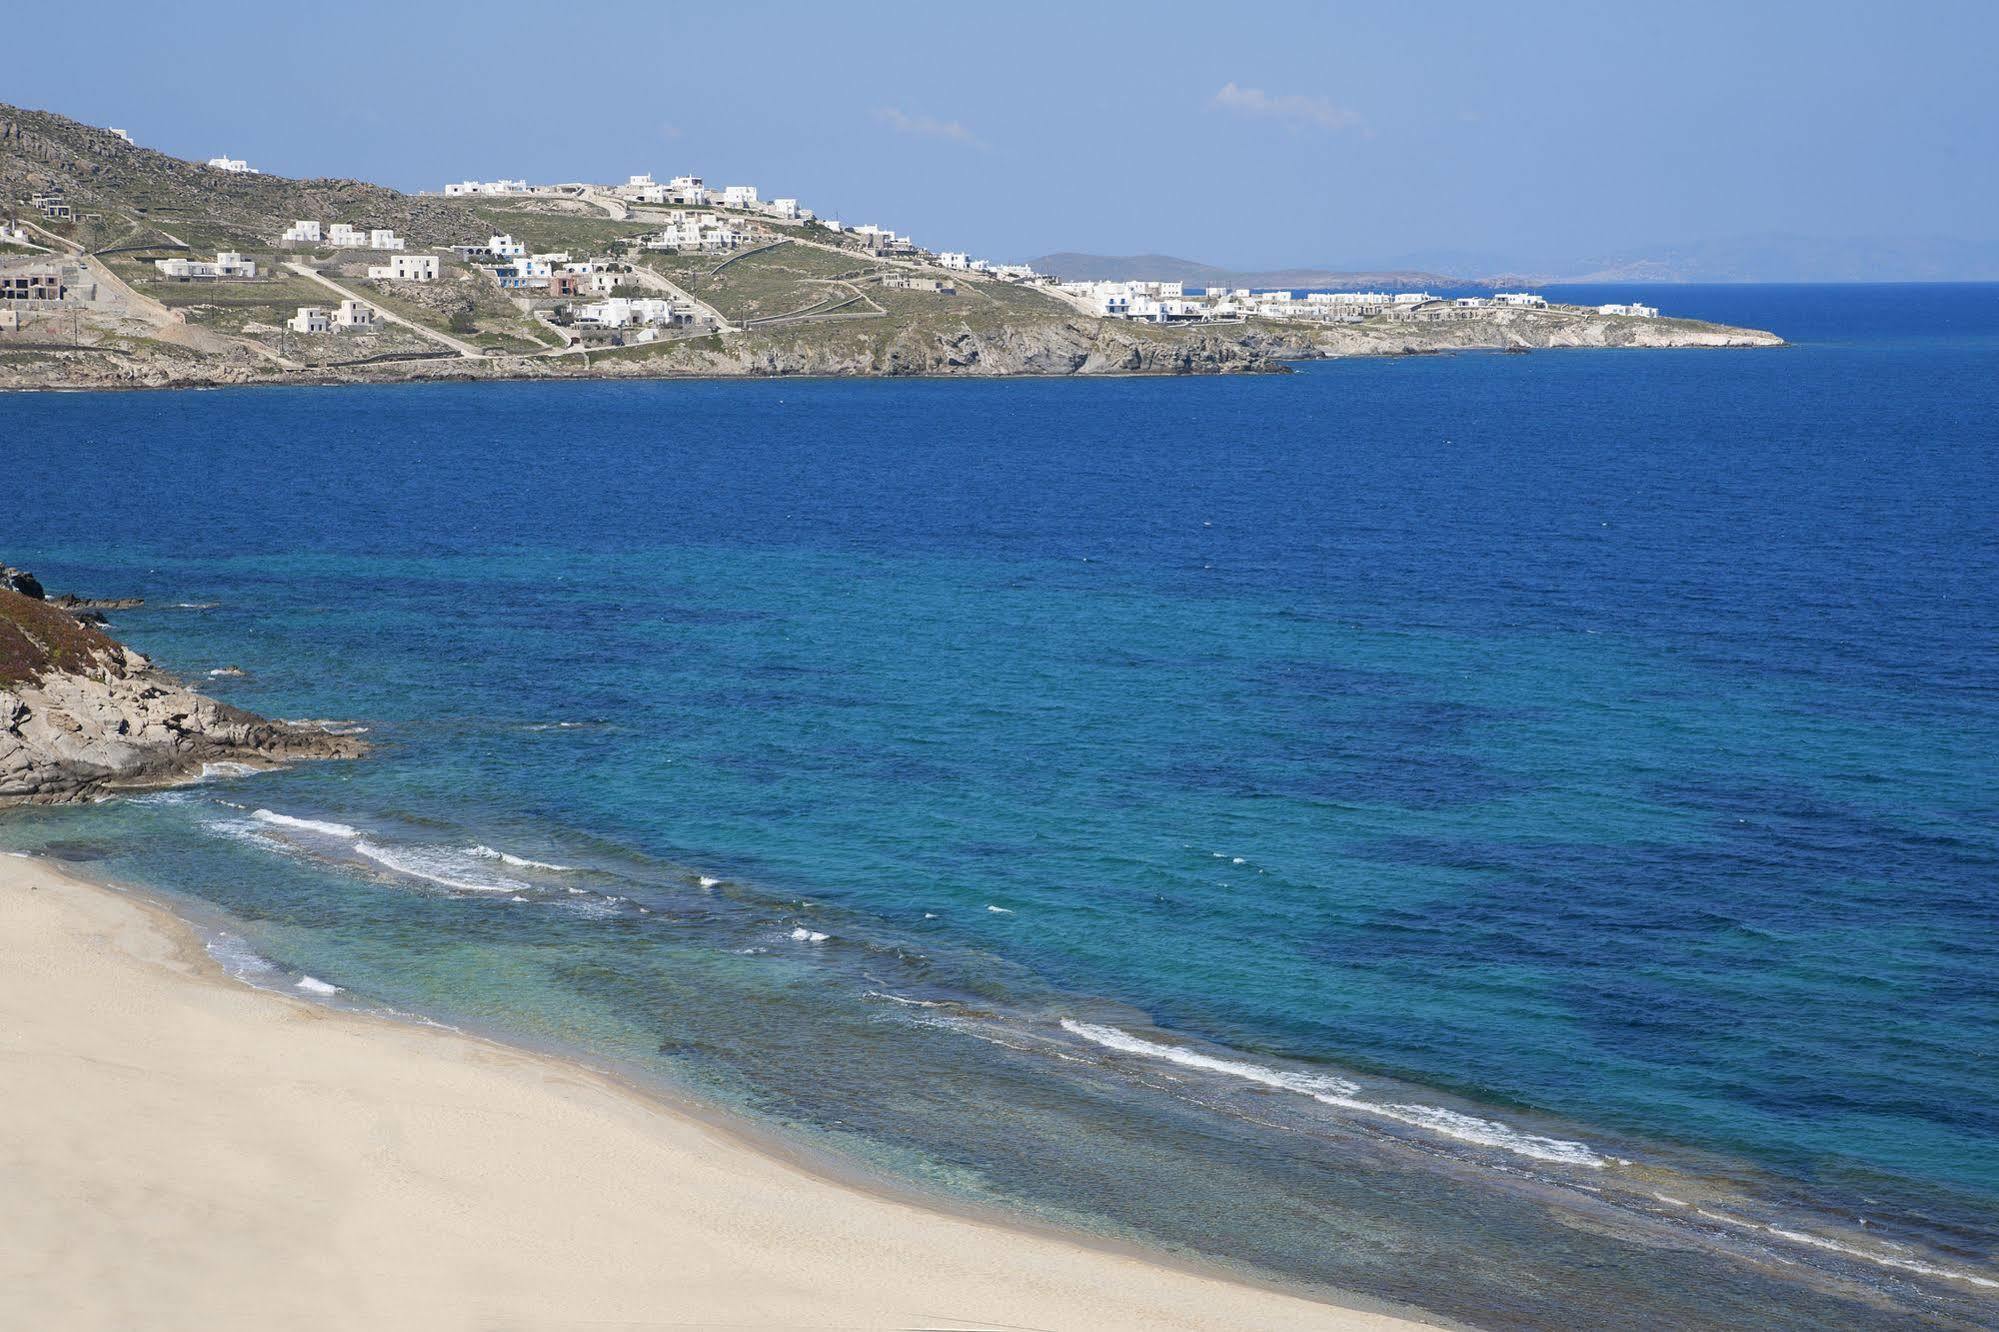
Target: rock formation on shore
{"points": [[82, 715]]}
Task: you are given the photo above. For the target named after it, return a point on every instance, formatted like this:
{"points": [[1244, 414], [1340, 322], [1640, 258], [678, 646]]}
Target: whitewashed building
{"points": [[739, 196], [354, 316], [305, 231], [310, 319], [505, 247], [345, 237], [630, 312], [955, 259], [1525, 300], [228, 264], [487, 187], [406, 268], [1632, 309], [382, 238], [235, 166]]}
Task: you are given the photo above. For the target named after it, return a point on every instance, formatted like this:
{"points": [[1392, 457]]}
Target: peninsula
{"points": [[123, 267]]}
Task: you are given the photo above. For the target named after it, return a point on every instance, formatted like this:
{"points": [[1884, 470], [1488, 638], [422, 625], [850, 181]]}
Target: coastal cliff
{"points": [[82, 715]]}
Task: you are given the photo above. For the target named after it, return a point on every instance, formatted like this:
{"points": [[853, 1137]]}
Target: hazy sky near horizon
{"points": [[1255, 136]]}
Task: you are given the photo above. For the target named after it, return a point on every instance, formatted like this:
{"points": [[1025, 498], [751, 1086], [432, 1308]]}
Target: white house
{"points": [[686, 190], [358, 316], [785, 209], [345, 237], [233, 165], [697, 231], [1525, 300], [406, 268], [228, 264], [739, 196], [1633, 309], [302, 232], [603, 284], [955, 259], [505, 247], [120, 133], [626, 312], [487, 187], [381, 238], [310, 319]]}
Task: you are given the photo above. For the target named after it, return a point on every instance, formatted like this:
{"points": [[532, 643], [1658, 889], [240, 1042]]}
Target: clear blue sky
{"points": [[1254, 135]]}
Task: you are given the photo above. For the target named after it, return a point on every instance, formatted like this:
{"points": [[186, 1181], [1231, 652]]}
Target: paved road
{"points": [[462, 348]]}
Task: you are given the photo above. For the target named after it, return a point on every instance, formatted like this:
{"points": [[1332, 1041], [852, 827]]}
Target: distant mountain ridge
{"points": [[1766, 257], [1166, 268]]}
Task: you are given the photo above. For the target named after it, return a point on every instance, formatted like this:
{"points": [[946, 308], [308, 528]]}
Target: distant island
{"points": [[123, 267]]}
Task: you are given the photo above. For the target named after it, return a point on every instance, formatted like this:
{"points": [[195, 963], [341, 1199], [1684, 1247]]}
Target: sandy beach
{"points": [[180, 1150]]}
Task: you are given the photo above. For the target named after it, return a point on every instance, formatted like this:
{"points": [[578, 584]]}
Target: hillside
{"points": [[783, 297]]}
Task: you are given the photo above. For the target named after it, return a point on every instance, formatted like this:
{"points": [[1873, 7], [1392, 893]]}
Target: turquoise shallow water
{"points": [[1401, 826]]}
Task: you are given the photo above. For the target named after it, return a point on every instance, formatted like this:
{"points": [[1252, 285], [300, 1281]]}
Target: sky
{"points": [[1254, 136]]}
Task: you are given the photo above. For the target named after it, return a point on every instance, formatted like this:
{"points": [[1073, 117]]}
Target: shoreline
{"points": [[980, 1264], [1276, 366]]}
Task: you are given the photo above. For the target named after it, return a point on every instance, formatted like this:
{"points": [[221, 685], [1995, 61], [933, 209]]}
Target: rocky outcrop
{"points": [[1495, 330], [82, 715]]}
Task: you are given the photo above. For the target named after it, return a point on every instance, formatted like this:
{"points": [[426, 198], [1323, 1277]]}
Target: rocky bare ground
{"points": [[82, 715]]}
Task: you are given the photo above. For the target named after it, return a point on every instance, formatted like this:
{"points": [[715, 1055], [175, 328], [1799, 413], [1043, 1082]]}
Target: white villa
{"points": [[739, 196], [406, 268], [228, 264], [233, 165], [505, 247], [486, 187], [687, 190], [310, 319], [302, 232], [627, 312], [955, 259], [697, 231], [355, 315], [1633, 309], [113, 129], [346, 237], [382, 238], [1525, 300]]}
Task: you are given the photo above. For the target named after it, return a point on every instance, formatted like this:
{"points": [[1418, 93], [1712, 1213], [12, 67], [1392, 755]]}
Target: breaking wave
{"points": [[1339, 1092]]}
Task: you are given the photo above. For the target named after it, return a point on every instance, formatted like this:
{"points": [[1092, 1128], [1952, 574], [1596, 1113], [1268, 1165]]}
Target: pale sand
{"points": [[179, 1150]]}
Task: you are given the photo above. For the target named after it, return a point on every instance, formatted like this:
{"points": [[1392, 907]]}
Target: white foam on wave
{"points": [[903, 999], [518, 862], [323, 827], [1000, 911], [1308, 1084], [435, 865], [804, 935], [227, 768], [314, 985], [236, 957], [1889, 1260], [1334, 1091], [707, 882]]}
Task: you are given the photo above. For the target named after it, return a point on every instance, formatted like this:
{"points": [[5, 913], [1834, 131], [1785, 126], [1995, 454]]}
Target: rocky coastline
{"points": [[83, 716]]}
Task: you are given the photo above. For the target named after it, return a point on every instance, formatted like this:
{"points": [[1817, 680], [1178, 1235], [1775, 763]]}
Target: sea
{"points": [[1511, 835]]}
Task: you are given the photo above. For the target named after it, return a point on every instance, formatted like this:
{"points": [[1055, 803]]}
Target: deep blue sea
{"points": [[1517, 835]]}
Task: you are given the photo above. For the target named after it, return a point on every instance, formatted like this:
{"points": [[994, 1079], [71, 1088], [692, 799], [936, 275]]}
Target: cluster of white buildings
{"points": [[1169, 302], [698, 232], [341, 236], [644, 312], [350, 316], [235, 166], [693, 192], [486, 188], [228, 264], [1633, 309]]}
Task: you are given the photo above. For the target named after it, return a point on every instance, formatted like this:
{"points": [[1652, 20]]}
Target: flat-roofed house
{"points": [[406, 268], [357, 316], [305, 231], [310, 319]]}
